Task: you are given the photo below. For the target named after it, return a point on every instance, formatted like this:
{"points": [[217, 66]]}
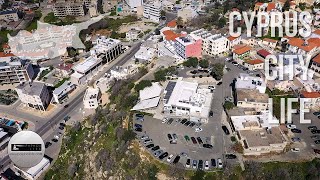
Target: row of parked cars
{"points": [[184, 122]]}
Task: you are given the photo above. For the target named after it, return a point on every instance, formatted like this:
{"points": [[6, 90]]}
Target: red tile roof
{"points": [[263, 52], [5, 46], [317, 32], [271, 6], [172, 24], [256, 61], [306, 94], [298, 42], [170, 35], [66, 66], [270, 40], [259, 3], [231, 38], [242, 50], [2, 54], [316, 59]]}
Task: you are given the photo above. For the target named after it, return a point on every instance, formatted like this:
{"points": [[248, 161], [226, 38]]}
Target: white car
{"points": [[169, 159], [291, 126], [164, 120], [144, 137], [198, 129], [56, 136], [295, 150], [206, 166], [220, 165]]}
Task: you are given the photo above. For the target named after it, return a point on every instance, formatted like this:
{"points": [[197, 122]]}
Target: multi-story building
{"points": [[34, 95], [15, 70], [190, 46], [92, 98], [60, 93], [252, 98], [315, 65], [65, 9], [245, 81], [106, 48], [152, 11], [9, 15]]}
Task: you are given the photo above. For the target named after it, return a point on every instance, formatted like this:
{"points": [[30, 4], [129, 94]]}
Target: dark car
{"points": [[199, 140], [150, 146], [207, 146], [194, 141], [200, 165], [315, 137], [226, 130], [317, 151], [183, 121], [315, 131], [48, 144], [194, 72], [187, 123], [61, 127], [188, 162], [176, 160], [192, 124], [66, 118], [65, 106], [316, 113], [175, 137], [312, 127], [219, 83], [139, 115], [317, 141], [296, 130], [137, 125], [231, 156], [138, 129], [170, 121], [165, 154], [155, 148], [55, 140], [169, 137], [213, 163], [62, 124], [186, 137], [211, 113]]}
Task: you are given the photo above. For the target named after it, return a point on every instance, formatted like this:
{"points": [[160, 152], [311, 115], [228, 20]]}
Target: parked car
{"points": [[211, 113], [295, 139], [312, 127], [150, 146], [187, 123], [61, 127], [186, 138], [66, 118], [62, 124], [315, 137], [291, 126], [315, 131], [317, 151], [316, 113], [200, 165], [194, 164], [183, 121], [219, 83], [175, 137], [225, 130], [157, 153], [230, 156], [169, 137], [66, 106], [48, 144], [206, 166], [194, 141], [155, 148], [55, 140], [213, 163], [138, 129], [198, 129], [169, 159], [296, 130], [207, 146], [139, 117], [165, 120], [220, 164], [163, 155], [192, 124], [137, 125], [188, 163], [199, 140], [147, 141], [170, 121], [317, 141], [295, 150], [176, 159], [144, 137]]}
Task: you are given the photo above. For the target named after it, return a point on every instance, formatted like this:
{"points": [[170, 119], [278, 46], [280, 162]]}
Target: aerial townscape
{"points": [[160, 89]]}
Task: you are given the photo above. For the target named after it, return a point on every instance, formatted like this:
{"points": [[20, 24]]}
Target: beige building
{"points": [[252, 98], [92, 98], [262, 141], [68, 9], [9, 15]]}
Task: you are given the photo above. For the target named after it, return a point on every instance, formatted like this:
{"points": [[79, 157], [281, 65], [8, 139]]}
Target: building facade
{"points": [[9, 15], [190, 46], [68, 9], [92, 98], [152, 11]]}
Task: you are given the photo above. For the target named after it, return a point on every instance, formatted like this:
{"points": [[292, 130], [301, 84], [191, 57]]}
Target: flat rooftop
{"points": [[91, 93], [33, 89], [252, 95], [262, 137], [87, 64]]}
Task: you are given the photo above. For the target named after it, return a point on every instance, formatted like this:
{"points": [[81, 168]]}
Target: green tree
{"points": [[142, 84], [50, 18], [228, 105], [222, 22], [302, 6], [191, 62], [286, 6], [217, 71], [160, 75], [163, 13], [204, 63]]}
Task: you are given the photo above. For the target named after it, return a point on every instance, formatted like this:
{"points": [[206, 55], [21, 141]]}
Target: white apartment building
{"points": [[35, 95], [106, 48], [15, 70], [92, 98], [123, 72], [65, 9], [36, 171], [134, 3], [152, 11], [212, 45], [133, 34], [145, 54], [9, 15], [187, 99], [60, 93]]}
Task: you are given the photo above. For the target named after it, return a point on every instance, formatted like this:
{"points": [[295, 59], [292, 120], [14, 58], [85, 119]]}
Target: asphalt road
{"points": [[78, 99]]}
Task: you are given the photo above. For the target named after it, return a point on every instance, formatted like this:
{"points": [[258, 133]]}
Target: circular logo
{"points": [[26, 149]]}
